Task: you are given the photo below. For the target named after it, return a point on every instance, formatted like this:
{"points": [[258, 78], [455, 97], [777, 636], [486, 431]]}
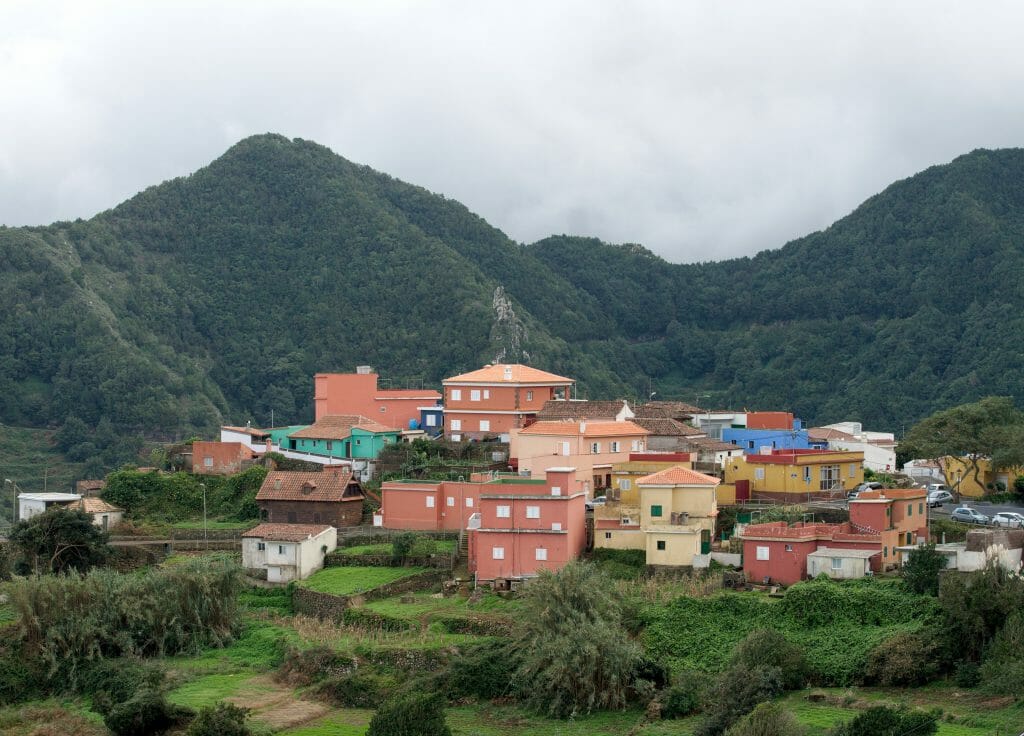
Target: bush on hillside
{"points": [[482, 670], [305, 666], [358, 689], [146, 712], [575, 655], [1002, 672], [904, 660], [402, 544], [411, 714], [884, 721], [922, 568], [222, 719], [769, 648], [683, 697], [737, 691], [975, 607], [767, 719]]}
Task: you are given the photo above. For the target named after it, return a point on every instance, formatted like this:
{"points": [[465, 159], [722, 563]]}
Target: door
{"points": [[742, 490], [705, 541], [105, 521]]}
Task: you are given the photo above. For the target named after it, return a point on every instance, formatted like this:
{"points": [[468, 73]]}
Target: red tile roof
{"points": [[333, 484], [668, 410], [678, 476], [824, 434], [286, 532], [95, 506], [664, 427], [572, 409], [339, 426], [515, 372], [591, 429]]}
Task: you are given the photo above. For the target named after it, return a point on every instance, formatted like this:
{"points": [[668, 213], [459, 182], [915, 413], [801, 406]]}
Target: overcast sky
{"points": [[701, 130]]}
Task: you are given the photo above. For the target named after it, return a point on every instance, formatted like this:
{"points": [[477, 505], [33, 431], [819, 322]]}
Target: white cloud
{"points": [[702, 130]]}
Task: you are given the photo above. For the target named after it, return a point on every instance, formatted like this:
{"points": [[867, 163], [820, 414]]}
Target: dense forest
{"points": [[215, 297]]}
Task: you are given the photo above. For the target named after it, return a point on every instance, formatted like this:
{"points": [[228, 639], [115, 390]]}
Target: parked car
{"points": [[968, 516], [937, 487], [1008, 518], [596, 501], [937, 498]]}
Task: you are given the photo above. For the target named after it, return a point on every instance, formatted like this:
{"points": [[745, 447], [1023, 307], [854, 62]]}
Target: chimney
{"points": [[364, 370]]}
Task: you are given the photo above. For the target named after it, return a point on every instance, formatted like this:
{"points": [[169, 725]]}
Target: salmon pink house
{"points": [[358, 393], [525, 526], [493, 401]]}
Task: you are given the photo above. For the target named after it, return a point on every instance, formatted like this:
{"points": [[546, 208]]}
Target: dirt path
{"points": [[279, 707]]}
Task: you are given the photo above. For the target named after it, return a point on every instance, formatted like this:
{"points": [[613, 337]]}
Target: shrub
{"points": [[355, 689], [306, 666], [904, 660], [412, 714], [967, 675], [922, 568], [884, 721], [769, 648], [685, 696], [59, 540], [738, 691], [222, 719], [575, 656], [111, 681], [976, 606], [423, 547], [767, 719], [146, 712], [1002, 672], [402, 545], [481, 670], [364, 618], [19, 680]]}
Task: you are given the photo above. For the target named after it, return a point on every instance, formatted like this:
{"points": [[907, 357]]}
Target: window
{"points": [[910, 538], [533, 512], [556, 491], [469, 503], [456, 438], [485, 425], [750, 444], [529, 395], [565, 448], [540, 554], [431, 420], [261, 546], [474, 394], [455, 424], [595, 447], [487, 393], [853, 470], [451, 500], [920, 508], [280, 549], [456, 394], [503, 512], [885, 551], [636, 445], [762, 553], [807, 474], [316, 517], [910, 509], [625, 484], [837, 563], [291, 517], [656, 510], [497, 553], [615, 447], [759, 473], [430, 502], [625, 521], [330, 445], [829, 477], [661, 545], [556, 526], [789, 547], [607, 535], [208, 462]]}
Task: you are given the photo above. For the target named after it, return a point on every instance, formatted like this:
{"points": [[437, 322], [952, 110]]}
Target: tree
{"points": [[738, 691], [576, 656], [922, 568], [769, 648], [767, 719], [60, 539], [884, 721], [222, 719], [410, 714], [989, 429]]}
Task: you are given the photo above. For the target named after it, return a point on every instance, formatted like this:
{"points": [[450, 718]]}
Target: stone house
{"points": [[331, 496]]}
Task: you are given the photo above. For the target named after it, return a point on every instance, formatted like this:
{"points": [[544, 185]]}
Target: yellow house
{"points": [[959, 474], [677, 515], [625, 475], [795, 475]]}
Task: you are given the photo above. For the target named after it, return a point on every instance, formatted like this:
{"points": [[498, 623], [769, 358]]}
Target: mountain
{"points": [[216, 296]]}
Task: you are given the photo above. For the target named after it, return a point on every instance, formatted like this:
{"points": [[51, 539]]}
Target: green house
{"points": [[344, 436]]}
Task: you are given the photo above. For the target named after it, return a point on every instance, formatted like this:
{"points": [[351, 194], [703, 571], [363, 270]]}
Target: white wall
{"points": [[852, 567], [28, 508], [287, 561]]}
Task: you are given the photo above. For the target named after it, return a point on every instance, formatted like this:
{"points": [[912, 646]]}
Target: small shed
{"points": [[287, 551], [840, 564]]}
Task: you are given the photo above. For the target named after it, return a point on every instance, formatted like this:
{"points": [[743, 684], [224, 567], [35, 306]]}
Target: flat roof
{"points": [[56, 497], [862, 554]]}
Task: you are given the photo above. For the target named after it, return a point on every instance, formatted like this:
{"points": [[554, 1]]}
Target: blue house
{"points": [[431, 420], [761, 440]]}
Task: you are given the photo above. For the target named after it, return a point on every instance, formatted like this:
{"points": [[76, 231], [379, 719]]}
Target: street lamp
{"points": [[206, 541]]}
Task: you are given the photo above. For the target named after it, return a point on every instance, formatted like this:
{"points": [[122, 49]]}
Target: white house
{"points": [[287, 551], [104, 515], [33, 504], [879, 448]]}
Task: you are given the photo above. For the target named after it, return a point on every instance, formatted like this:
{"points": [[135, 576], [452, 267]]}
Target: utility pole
{"points": [[14, 500], [206, 540]]}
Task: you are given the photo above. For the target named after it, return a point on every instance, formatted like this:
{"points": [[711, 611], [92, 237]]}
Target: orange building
{"points": [[898, 515], [357, 393], [497, 399], [220, 458]]}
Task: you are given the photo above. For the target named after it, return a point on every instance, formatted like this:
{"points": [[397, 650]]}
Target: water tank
{"points": [[414, 424]]}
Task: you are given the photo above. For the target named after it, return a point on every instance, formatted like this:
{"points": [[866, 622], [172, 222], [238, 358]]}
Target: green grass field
{"points": [[349, 580], [441, 546]]}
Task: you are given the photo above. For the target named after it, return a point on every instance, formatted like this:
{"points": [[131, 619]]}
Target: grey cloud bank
{"points": [[701, 130]]}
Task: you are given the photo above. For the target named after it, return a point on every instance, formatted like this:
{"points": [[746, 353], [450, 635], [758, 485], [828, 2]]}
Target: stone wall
{"points": [[329, 606]]}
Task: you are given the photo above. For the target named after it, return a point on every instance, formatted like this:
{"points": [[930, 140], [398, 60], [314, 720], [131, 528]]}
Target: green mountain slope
{"points": [[216, 296]]}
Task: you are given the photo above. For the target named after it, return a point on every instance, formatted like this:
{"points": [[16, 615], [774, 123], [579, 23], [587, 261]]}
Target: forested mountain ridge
{"points": [[216, 296]]}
